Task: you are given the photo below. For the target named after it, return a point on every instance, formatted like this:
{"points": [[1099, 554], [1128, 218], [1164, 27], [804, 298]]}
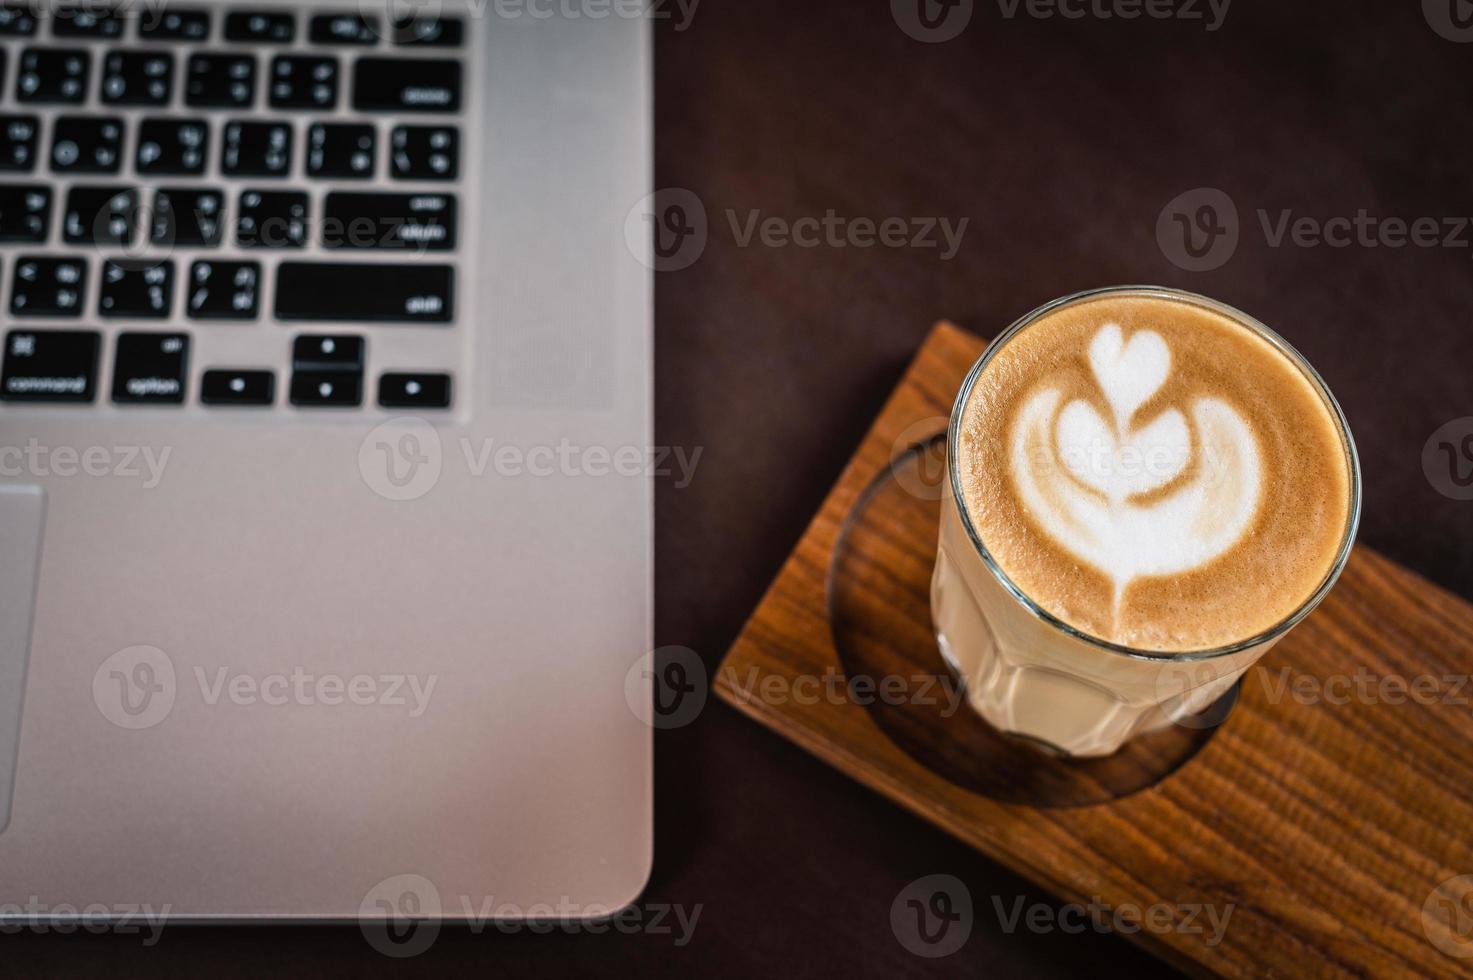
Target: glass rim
{"points": [[1275, 632]]}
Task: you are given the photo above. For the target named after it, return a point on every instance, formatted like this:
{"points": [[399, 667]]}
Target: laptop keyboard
{"points": [[167, 173]]}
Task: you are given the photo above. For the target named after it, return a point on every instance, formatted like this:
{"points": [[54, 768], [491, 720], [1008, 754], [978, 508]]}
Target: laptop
{"points": [[325, 420]]}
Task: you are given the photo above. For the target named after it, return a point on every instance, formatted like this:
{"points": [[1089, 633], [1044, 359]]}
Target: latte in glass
{"points": [[1139, 479]]}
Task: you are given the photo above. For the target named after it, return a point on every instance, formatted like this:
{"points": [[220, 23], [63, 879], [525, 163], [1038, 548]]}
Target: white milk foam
{"points": [[1081, 475], [1154, 472]]}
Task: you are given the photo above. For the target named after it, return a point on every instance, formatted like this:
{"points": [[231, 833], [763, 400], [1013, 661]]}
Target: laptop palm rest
{"points": [[22, 517]]}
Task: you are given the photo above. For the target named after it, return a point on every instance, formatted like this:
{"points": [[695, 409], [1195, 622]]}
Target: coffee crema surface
{"points": [[1154, 473]]}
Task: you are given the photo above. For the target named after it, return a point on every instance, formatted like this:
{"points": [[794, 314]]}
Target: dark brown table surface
{"points": [[1062, 141]]}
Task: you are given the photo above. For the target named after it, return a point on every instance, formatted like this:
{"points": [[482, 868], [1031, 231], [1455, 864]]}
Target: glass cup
{"points": [[1034, 677]]}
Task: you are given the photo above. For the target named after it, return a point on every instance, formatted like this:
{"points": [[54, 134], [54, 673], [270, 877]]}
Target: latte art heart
{"points": [[1091, 483], [1097, 455], [1128, 374]]}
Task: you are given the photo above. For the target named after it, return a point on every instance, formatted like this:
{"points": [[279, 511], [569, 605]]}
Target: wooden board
{"points": [[1328, 827]]}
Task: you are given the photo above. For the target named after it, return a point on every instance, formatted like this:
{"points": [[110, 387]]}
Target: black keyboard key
{"points": [[151, 368], [187, 217], [100, 215], [406, 85], [86, 144], [50, 366], [25, 212], [344, 150], [271, 219], [326, 389], [17, 20], [87, 21], [424, 222], [304, 82], [220, 80], [137, 78], [18, 142], [325, 352], [222, 386], [224, 290], [327, 371], [172, 146], [48, 286], [257, 149], [52, 75], [142, 289], [261, 26], [344, 29], [416, 390], [168, 24], [429, 30], [408, 293], [425, 152]]}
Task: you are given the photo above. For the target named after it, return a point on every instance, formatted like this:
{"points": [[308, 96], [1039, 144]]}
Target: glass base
{"points": [[879, 597]]}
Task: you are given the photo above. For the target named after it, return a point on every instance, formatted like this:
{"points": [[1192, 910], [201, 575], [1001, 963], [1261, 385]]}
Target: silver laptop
{"points": [[325, 425]]}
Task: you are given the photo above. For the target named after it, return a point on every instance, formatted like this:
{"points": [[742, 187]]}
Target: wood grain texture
{"points": [[1326, 826]]}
